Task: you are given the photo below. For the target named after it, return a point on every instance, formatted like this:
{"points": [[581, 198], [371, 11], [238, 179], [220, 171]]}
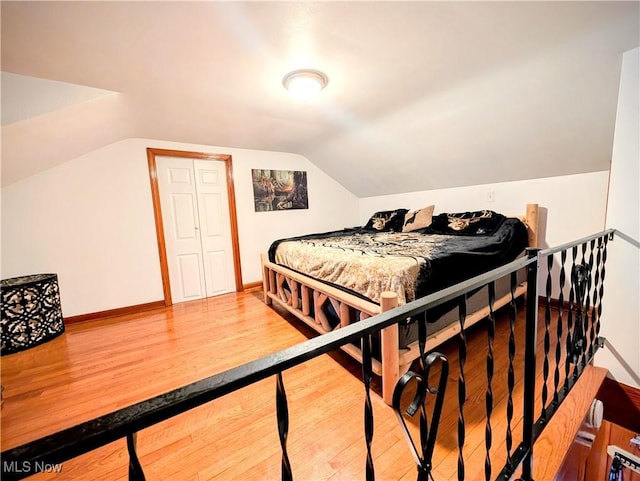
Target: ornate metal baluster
{"points": [[511, 380], [602, 273], [368, 408], [596, 302], [584, 278], [576, 341], [424, 424], [580, 275], [570, 326], [421, 382], [547, 337], [135, 468], [559, 329], [489, 394], [588, 316], [282, 413], [462, 391]]}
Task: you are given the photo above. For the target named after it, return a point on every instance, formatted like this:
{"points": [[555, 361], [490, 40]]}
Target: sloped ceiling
{"points": [[421, 95]]}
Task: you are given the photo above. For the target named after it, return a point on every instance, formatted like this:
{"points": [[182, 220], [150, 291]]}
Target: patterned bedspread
{"points": [[411, 264]]}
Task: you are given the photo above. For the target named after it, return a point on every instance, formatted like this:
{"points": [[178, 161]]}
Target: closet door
{"points": [[194, 202], [215, 226]]}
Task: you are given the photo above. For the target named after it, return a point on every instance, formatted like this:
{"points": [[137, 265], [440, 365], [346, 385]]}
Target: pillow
{"points": [[387, 220], [484, 222], [418, 219]]}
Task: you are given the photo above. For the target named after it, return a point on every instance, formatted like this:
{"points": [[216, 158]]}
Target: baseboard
{"points": [[134, 309], [555, 304], [114, 312]]}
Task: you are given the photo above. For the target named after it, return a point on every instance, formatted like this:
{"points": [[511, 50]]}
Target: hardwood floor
{"points": [[102, 365]]}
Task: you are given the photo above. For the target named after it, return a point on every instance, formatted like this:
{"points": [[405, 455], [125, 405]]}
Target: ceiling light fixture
{"points": [[305, 83]]}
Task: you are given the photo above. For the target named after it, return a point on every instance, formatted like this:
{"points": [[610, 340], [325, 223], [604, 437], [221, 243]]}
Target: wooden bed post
{"points": [[265, 279], [532, 225], [389, 339]]}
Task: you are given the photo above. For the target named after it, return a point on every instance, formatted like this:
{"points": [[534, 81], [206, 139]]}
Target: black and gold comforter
{"points": [[413, 264]]}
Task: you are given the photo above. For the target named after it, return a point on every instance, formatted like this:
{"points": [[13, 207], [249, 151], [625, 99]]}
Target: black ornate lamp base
{"points": [[31, 312]]}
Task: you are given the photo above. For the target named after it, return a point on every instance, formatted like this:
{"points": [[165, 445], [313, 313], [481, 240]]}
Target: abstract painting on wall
{"points": [[279, 189]]}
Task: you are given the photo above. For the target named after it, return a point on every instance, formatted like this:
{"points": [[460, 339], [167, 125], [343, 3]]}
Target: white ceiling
{"points": [[421, 95]]}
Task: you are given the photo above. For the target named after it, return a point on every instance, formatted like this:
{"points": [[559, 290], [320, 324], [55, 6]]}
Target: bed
{"points": [[331, 279]]}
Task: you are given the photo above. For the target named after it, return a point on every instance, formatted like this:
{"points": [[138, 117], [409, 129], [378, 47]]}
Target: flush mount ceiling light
{"points": [[305, 83]]}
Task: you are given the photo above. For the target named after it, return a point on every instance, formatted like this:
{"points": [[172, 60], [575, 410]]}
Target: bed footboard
{"points": [[309, 300]]}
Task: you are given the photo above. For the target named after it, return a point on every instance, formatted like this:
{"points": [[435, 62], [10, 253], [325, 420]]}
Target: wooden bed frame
{"points": [[303, 292]]}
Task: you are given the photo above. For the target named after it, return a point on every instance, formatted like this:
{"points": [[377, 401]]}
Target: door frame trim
{"points": [[152, 153]]}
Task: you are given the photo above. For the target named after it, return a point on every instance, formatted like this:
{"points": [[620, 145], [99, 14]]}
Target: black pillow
{"points": [[484, 222], [387, 220]]}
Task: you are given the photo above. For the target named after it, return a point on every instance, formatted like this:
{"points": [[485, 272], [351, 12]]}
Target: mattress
{"points": [[411, 264]]}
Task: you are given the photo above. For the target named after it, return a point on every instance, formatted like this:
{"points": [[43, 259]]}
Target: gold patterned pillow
{"points": [[418, 219]]}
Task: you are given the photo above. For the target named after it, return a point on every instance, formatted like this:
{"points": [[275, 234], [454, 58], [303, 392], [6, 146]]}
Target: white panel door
{"points": [[197, 227], [179, 203], [215, 226]]}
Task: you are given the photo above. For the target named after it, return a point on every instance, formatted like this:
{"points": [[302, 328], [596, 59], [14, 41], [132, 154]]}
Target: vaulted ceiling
{"points": [[421, 95]]}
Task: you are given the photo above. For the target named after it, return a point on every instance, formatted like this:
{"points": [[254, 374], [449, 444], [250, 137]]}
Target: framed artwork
{"points": [[279, 189]]}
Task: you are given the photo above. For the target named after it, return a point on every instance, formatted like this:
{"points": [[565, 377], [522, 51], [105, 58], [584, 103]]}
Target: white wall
{"points": [[90, 220], [571, 206], [621, 311]]}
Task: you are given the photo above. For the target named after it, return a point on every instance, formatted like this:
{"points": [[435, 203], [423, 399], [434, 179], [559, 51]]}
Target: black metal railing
{"points": [[576, 339], [565, 353], [580, 335]]}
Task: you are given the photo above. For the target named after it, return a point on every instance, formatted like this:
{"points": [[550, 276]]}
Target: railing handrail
{"points": [[89, 435], [575, 243]]}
